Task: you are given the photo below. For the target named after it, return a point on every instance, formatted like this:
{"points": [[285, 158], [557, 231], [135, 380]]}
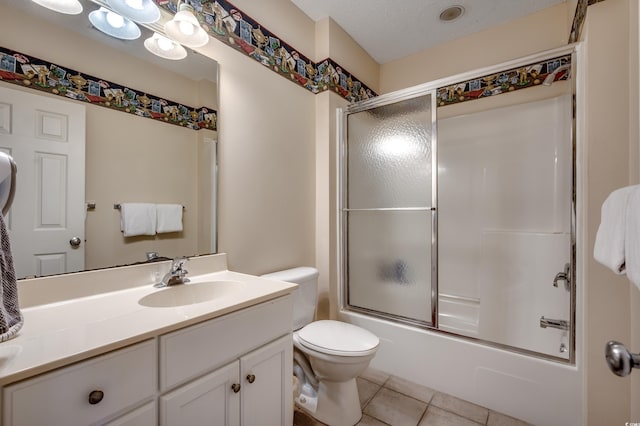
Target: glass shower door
{"points": [[388, 209]]}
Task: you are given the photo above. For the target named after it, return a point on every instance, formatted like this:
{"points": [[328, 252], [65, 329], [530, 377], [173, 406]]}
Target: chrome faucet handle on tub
{"points": [[176, 275]]}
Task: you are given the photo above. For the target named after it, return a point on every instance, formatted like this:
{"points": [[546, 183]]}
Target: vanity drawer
{"points": [[62, 397], [193, 351]]}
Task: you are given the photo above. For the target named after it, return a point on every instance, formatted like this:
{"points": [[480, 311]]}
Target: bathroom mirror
{"points": [[127, 158]]}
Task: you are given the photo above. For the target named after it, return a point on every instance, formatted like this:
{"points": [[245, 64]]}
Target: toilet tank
{"points": [[305, 296]]}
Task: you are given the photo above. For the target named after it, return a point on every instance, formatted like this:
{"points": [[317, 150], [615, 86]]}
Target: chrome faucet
{"points": [[176, 275]]}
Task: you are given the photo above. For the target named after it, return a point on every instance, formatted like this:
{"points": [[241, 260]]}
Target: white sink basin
{"points": [[190, 293]]}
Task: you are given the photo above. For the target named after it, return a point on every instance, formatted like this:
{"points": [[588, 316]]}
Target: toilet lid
{"points": [[338, 338]]}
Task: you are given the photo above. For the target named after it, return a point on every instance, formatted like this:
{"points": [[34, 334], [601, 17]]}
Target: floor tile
{"points": [[395, 408], [366, 390], [375, 376], [463, 408], [411, 389], [369, 421], [499, 419], [438, 417], [300, 418]]}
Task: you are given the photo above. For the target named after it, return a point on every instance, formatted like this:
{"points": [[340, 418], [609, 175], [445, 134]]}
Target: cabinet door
{"points": [[209, 400], [143, 416], [266, 375]]}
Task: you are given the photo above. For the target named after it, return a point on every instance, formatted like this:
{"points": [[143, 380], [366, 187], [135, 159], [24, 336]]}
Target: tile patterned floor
{"points": [[389, 400]]}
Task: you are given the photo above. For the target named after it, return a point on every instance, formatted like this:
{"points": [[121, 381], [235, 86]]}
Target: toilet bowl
{"points": [[328, 355]]}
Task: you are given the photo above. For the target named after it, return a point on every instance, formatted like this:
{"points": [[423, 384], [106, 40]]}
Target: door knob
{"points": [[75, 242], [619, 359]]}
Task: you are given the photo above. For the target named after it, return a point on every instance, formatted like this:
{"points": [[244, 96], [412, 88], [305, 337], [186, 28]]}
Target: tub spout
{"points": [[554, 323]]}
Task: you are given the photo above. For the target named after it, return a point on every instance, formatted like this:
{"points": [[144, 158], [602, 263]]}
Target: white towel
{"points": [[138, 219], [169, 217], [632, 239], [609, 248]]}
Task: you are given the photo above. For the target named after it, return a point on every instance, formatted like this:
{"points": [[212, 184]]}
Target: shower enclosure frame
{"points": [[432, 88]]}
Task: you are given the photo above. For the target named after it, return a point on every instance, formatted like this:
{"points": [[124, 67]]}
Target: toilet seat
{"points": [[338, 338]]}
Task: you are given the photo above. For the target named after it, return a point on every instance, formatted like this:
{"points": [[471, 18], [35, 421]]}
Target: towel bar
{"points": [[118, 207]]}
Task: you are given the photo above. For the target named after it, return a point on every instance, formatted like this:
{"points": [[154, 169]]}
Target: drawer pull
{"points": [[235, 387], [95, 397], [251, 378]]}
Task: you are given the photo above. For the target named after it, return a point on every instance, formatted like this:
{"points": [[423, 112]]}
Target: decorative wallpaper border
{"points": [[231, 26], [34, 73], [505, 81]]}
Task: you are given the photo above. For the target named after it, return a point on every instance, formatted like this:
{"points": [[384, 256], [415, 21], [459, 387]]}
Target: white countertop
{"points": [[59, 333]]}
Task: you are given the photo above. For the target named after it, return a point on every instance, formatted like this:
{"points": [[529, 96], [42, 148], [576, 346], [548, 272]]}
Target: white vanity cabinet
{"points": [[232, 370], [252, 391], [242, 363]]}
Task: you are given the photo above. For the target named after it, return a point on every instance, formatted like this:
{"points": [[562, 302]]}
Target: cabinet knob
{"points": [[235, 387], [251, 378], [95, 397]]}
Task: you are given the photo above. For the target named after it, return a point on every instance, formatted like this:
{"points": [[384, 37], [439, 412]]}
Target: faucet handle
{"points": [[178, 262]]}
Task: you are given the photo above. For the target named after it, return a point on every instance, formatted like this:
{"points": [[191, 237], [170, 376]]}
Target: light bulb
{"points": [[135, 4], [164, 43], [186, 28], [69, 7], [115, 20]]}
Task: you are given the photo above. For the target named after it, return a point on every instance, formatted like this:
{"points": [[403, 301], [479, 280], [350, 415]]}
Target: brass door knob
{"points": [[235, 387], [251, 378]]}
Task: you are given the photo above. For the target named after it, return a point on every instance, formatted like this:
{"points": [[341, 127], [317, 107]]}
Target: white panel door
{"points": [[46, 138]]}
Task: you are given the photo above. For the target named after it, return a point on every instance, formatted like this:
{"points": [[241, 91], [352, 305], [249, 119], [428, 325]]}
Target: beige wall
{"points": [[634, 178], [267, 161], [607, 310], [333, 42], [533, 33], [285, 20], [128, 158]]}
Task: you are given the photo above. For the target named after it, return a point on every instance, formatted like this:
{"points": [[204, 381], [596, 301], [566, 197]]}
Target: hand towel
{"points": [[632, 237], [11, 318], [609, 248], [138, 219], [169, 218]]}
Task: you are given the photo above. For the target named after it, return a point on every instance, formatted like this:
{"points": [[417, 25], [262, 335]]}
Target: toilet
{"points": [[328, 355]]}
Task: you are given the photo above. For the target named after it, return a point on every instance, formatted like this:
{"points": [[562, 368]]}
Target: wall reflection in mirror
{"points": [[118, 158]]}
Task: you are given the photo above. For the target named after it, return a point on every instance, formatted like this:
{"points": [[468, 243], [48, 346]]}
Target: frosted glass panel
{"points": [[390, 262], [389, 155]]}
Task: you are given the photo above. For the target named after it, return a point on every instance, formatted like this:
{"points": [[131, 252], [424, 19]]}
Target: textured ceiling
{"points": [[392, 29]]}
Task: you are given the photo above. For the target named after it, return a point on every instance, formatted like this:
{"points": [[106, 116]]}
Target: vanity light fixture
{"points": [[114, 24], [185, 29], [142, 11], [68, 7], [161, 46]]}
